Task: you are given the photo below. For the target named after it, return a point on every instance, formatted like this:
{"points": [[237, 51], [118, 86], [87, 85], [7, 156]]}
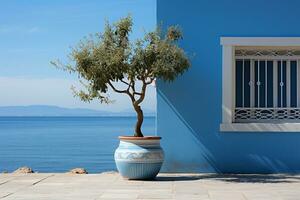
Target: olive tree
{"points": [[103, 59]]}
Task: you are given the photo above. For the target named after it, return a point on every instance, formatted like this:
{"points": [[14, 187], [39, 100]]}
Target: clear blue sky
{"points": [[34, 32]]}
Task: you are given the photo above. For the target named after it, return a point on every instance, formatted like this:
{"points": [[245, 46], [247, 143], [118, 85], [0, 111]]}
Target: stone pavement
{"points": [[43, 186]]}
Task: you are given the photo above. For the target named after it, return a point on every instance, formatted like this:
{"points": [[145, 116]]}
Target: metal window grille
{"points": [[267, 85]]}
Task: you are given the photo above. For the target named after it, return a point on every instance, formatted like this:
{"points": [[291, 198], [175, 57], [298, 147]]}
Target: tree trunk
{"points": [[140, 119]]}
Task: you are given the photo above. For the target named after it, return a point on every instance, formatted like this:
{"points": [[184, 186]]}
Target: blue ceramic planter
{"points": [[139, 158]]}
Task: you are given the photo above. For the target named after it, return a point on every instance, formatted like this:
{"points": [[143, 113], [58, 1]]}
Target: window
{"points": [[261, 84], [266, 83]]}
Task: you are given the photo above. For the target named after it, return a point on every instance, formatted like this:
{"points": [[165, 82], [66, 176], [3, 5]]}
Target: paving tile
{"points": [[118, 196], [191, 196], [155, 196], [166, 186]]}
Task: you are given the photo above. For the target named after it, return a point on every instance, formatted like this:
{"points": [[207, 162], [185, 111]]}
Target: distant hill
{"points": [[44, 110]]}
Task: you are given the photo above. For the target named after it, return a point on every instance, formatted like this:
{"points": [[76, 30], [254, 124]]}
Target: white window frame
{"points": [[228, 83]]}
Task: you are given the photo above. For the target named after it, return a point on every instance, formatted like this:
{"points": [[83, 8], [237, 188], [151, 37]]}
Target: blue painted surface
{"points": [[138, 171], [189, 109], [137, 159]]}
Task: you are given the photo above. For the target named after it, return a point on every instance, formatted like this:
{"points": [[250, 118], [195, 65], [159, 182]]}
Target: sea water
{"points": [[58, 144]]}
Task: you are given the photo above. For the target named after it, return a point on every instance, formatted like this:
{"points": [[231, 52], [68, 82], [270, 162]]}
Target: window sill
{"points": [[260, 127]]}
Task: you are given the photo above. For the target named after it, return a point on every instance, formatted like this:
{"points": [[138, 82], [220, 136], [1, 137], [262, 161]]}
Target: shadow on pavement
{"points": [[234, 178]]}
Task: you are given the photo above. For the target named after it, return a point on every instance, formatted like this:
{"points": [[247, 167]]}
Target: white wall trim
{"points": [[228, 85], [259, 127], [260, 41]]}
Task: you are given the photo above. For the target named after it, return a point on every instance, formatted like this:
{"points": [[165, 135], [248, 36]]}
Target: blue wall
{"points": [[189, 109]]}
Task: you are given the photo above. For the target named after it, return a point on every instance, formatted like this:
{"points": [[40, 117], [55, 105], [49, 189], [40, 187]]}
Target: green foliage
{"points": [[108, 57], [103, 59]]}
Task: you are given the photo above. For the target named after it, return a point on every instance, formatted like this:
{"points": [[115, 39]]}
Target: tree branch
{"points": [[132, 84], [115, 89], [125, 82], [143, 92], [122, 91]]}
